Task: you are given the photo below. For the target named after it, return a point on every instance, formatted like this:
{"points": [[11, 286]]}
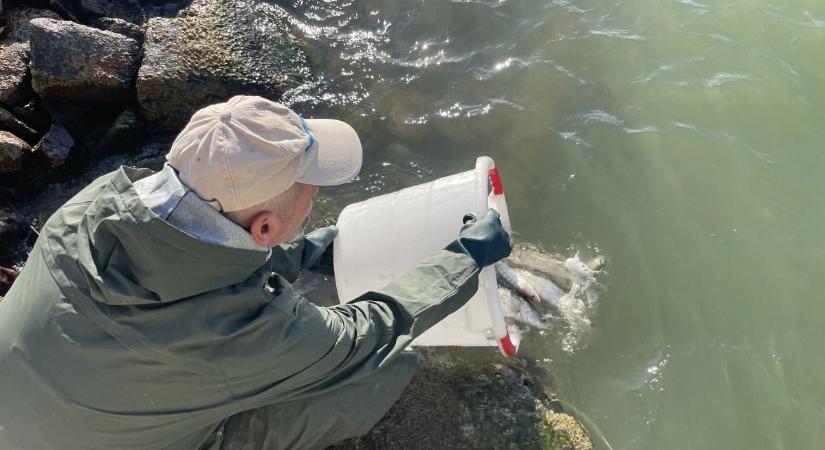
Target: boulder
{"points": [[77, 62], [13, 151], [9, 122], [120, 26], [18, 26], [55, 146], [14, 72], [211, 51]]}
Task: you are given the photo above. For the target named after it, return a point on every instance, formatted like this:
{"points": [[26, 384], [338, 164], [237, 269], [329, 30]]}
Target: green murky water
{"points": [[680, 139]]}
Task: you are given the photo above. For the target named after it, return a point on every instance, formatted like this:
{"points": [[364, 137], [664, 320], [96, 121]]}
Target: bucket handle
{"points": [[495, 199]]}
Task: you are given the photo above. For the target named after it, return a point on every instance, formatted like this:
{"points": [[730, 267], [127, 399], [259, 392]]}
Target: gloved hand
{"points": [[316, 243], [484, 239]]}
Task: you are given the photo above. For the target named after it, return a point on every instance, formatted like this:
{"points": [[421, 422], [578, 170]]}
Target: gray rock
{"points": [[77, 62], [55, 146], [14, 71], [213, 50], [9, 122], [18, 27], [120, 26], [130, 10], [13, 151]]}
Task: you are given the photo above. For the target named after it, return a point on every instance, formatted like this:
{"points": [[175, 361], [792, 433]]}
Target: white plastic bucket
{"points": [[385, 235]]}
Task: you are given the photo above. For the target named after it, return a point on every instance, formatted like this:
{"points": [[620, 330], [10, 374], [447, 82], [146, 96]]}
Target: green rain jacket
{"points": [[123, 331]]}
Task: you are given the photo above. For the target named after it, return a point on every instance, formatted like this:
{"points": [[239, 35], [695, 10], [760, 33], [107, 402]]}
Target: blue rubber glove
{"points": [[484, 239], [316, 243]]}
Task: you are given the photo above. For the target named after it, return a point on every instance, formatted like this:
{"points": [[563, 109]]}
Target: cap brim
{"points": [[335, 157]]}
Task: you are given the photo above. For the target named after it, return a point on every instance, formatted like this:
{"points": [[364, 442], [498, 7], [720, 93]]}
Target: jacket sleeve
{"points": [[286, 259], [323, 348]]}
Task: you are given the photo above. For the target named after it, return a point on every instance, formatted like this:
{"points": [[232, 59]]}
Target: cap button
{"points": [[225, 115]]}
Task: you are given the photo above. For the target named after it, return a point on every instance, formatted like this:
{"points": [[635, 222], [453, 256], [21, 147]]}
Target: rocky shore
{"points": [[85, 80]]}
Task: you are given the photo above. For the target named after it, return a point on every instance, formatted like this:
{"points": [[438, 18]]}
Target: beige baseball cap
{"points": [[243, 152]]}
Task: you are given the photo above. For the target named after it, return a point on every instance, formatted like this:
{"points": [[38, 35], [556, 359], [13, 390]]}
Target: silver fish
{"points": [[548, 292], [517, 311], [513, 280]]}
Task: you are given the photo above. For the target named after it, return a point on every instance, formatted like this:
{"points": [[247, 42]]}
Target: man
{"points": [[155, 310]]}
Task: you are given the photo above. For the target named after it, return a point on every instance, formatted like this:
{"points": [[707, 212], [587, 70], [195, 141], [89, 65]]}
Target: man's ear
{"points": [[265, 227]]}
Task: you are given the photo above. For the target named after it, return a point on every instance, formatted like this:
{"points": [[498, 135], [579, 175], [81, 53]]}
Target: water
{"points": [[680, 139]]}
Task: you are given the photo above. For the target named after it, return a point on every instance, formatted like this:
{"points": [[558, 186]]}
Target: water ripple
{"points": [[607, 118], [725, 77], [812, 21], [618, 34], [463, 110], [724, 135], [573, 137], [568, 6], [666, 68]]}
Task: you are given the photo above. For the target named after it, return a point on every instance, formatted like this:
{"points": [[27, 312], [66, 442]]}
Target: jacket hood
{"points": [[131, 256]]}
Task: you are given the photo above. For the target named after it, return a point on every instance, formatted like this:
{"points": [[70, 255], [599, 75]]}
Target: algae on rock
{"points": [[212, 51]]}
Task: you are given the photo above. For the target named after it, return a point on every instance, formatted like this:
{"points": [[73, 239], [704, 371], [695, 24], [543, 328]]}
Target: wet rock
{"points": [[18, 26], [14, 72], [77, 62], [11, 123], [130, 10], [120, 26], [458, 404], [55, 146], [211, 51], [13, 151]]}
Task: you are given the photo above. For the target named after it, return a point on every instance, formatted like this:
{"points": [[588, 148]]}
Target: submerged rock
{"points": [[211, 51], [13, 151], [55, 146], [120, 26], [73, 61], [14, 70]]}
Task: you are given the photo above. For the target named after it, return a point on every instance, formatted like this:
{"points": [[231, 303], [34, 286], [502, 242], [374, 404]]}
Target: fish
{"points": [[536, 261], [513, 280], [548, 292], [519, 312]]}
